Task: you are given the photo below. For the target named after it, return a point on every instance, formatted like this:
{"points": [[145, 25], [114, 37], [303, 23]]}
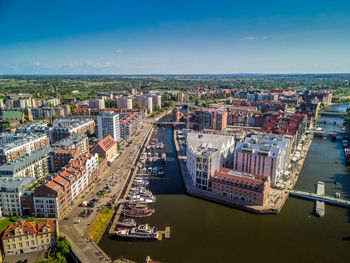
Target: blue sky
{"points": [[176, 37]]}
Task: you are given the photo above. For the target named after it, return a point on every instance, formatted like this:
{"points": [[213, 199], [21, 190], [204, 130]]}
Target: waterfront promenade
{"points": [[278, 195], [74, 228]]}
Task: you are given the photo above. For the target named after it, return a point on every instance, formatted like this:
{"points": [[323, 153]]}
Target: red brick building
{"points": [[106, 148], [60, 157], [246, 187]]}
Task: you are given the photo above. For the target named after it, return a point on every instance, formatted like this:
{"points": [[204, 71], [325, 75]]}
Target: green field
{"points": [[98, 226]]}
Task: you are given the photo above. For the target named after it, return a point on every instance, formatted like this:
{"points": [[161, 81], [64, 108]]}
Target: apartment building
{"points": [[97, 104], [52, 198], [75, 141], [108, 124], [33, 165], [124, 103], [11, 190], [129, 124], [263, 154], [60, 157], [180, 96], [25, 237], [63, 128], [80, 172], [27, 144], [206, 153]]}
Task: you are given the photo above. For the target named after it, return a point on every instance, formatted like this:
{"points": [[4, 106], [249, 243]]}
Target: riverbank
{"points": [[277, 197]]}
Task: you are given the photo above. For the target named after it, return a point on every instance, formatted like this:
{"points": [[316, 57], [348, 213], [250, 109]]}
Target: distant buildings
{"points": [[206, 153], [108, 124], [25, 237], [246, 187], [293, 125], [180, 96], [215, 119], [124, 103], [176, 114], [264, 154], [97, 104]]}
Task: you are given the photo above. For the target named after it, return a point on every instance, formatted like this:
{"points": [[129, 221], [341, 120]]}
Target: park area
{"points": [[99, 224]]}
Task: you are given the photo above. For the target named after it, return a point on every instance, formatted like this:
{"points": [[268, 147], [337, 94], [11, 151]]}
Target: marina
{"points": [[201, 225]]}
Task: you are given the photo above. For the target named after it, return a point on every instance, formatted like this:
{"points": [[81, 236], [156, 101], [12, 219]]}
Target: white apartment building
{"points": [[206, 153], [33, 165], [124, 103], [24, 146], [97, 104], [108, 124], [263, 154], [11, 190]]}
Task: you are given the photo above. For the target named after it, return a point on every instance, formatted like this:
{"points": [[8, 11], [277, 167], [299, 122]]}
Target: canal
{"points": [[203, 231]]}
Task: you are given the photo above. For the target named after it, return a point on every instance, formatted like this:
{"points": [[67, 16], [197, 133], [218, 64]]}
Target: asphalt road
{"points": [[74, 226]]}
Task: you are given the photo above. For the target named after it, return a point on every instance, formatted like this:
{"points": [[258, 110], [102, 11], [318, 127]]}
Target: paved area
{"points": [[32, 257], [74, 226]]}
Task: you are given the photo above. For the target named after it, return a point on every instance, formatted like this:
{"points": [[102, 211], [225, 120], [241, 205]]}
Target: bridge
{"points": [[330, 133], [322, 198], [332, 113], [168, 123], [331, 121]]}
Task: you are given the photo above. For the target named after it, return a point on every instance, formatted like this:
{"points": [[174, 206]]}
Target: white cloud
{"points": [[255, 38], [118, 51], [36, 64]]}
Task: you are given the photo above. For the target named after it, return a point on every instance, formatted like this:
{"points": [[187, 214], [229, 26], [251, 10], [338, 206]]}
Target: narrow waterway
{"points": [[203, 231]]}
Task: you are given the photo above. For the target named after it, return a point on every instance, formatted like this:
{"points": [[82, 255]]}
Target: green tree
{"points": [[63, 246]]}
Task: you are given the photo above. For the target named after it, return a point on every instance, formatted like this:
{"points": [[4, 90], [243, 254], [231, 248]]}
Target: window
{"points": [[27, 244]]}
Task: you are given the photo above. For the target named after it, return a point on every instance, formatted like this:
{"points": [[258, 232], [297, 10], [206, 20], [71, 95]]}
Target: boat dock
{"points": [[164, 233]]}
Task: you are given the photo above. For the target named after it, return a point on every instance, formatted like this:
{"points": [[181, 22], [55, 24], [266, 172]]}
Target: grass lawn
{"points": [[98, 226], [4, 224]]}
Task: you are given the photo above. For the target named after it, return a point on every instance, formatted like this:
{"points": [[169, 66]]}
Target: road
{"points": [[74, 227]]}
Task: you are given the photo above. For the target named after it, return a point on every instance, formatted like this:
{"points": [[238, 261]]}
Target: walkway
{"points": [[323, 198]]}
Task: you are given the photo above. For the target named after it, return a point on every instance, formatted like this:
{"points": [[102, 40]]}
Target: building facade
{"points": [[108, 124], [265, 155]]}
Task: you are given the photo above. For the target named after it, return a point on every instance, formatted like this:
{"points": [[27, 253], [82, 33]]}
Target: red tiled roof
{"points": [[48, 223], [223, 176], [107, 143], [28, 228]]}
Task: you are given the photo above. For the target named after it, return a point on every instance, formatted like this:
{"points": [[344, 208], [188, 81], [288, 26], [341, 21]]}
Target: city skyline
{"points": [[186, 37]]}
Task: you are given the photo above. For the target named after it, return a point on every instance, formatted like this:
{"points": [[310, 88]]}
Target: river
{"points": [[203, 231]]}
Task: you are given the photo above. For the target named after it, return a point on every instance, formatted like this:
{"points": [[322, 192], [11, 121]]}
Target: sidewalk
{"points": [[74, 227]]}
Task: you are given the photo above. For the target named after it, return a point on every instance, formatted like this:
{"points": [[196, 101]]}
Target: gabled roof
{"points": [[107, 143]]}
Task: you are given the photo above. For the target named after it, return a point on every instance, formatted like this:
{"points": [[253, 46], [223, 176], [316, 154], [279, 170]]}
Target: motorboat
{"points": [[163, 157], [149, 170], [155, 170], [138, 213], [160, 171], [127, 222], [141, 200], [142, 232]]}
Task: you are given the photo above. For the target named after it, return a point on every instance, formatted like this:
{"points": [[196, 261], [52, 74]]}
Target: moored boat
{"points": [[127, 222], [142, 232]]}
